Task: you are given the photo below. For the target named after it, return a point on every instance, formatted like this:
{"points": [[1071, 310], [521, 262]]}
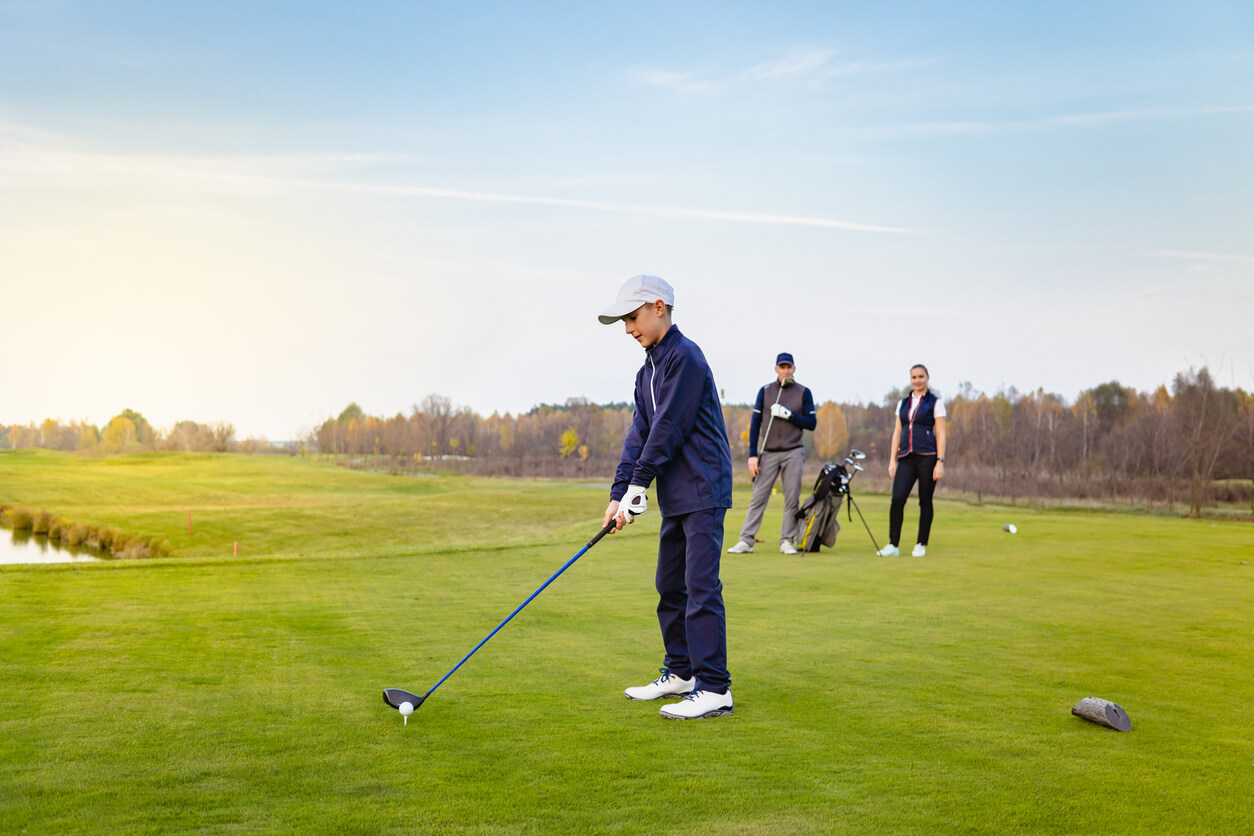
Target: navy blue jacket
{"points": [[677, 434], [918, 435]]}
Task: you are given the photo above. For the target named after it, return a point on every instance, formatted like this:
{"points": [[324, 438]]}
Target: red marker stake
{"points": [[236, 549], [189, 520]]}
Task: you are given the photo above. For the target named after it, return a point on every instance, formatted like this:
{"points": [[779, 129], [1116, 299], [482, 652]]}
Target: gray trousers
{"points": [[786, 467]]}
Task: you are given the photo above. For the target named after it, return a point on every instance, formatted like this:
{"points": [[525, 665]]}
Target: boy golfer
{"points": [[677, 436]]}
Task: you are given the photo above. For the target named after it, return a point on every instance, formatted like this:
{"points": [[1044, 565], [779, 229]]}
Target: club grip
{"points": [[608, 528]]}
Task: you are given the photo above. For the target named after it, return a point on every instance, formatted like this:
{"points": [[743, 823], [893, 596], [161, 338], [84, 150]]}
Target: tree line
{"points": [[1189, 444], [126, 432]]}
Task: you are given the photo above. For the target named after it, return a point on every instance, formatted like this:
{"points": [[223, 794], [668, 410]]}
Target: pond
{"points": [[24, 547]]}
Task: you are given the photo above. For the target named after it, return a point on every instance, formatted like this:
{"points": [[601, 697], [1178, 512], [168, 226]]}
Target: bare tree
{"points": [[439, 412], [1206, 419]]}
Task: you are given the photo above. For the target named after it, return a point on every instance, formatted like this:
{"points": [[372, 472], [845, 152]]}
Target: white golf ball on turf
{"points": [[407, 708]]}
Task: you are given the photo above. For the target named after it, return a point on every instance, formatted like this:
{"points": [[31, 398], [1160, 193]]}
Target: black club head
{"points": [[395, 696]]}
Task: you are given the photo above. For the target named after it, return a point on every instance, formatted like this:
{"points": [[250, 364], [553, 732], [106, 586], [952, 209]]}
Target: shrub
{"points": [[56, 529], [135, 549], [20, 519], [75, 535], [112, 540]]}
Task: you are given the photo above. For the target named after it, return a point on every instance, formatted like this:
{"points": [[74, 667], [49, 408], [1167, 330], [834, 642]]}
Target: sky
{"points": [[260, 212]]}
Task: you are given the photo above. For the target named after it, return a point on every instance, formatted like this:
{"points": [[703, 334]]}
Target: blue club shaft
{"points": [[530, 598]]}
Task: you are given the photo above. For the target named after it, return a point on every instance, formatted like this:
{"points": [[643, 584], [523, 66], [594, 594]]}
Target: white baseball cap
{"points": [[639, 290]]}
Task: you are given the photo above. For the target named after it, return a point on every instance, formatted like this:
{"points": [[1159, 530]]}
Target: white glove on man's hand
{"points": [[634, 503], [781, 411]]}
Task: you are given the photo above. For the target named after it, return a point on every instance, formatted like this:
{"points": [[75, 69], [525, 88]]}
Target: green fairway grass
{"points": [[207, 693]]}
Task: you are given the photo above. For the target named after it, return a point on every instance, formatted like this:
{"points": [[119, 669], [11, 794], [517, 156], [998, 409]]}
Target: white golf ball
{"points": [[1009, 527], [407, 708]]}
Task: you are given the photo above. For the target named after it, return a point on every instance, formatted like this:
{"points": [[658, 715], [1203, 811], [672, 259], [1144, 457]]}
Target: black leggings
{"points": [[910, 469]]}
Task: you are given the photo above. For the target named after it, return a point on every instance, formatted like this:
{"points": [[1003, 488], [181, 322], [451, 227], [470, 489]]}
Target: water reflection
{"points": [[24, 547]]}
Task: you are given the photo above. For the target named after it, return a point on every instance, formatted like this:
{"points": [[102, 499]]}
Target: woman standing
{"points": [[919, 439]]}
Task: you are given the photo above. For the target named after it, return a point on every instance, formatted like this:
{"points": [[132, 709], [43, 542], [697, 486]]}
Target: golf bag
{"points": [[819, 512]]}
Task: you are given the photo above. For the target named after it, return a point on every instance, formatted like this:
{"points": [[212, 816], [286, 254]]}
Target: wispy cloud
{"points": [[679, 82], [1193, 293], [35, 163], [1140, 115], [1062, 120], [625, 208], [1194, 255], [17, 135], [802, 63], [802, 66], [61, 168]]}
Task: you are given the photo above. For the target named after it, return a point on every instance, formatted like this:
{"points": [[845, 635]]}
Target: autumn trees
{"points": [[126, 432], [1191, 442]]}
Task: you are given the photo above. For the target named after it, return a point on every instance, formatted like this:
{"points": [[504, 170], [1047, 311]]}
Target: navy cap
{"points": [[784, 357]]}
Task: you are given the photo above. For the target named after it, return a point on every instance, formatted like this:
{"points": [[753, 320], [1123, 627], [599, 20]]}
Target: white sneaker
{"points": [[888, 551], [666, 685], [786, 547], [699, 704], [741, 547], [920, 550]]}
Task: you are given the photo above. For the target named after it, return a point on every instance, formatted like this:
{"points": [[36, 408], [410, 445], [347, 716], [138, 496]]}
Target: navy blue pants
{"points": [[690, 605], [911, 468]]}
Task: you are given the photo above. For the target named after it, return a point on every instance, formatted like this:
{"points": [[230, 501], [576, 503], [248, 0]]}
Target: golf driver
{"points": [[771, 420], [405, 702]]}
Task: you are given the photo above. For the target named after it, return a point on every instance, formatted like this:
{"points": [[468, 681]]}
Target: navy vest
{"points": [[918, 435]]}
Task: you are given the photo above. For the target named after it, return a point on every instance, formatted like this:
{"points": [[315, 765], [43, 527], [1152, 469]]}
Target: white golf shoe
{"points": [[786, 547], [920, 550], [666, 685], [888, 551], [699, 704], [741, 547]]}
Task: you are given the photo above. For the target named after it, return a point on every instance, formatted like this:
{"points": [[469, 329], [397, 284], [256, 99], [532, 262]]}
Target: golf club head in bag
{"points": [[819, 511]]}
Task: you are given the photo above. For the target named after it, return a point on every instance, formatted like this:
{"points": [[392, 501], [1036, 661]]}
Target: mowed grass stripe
{"points": [[872, 695]]}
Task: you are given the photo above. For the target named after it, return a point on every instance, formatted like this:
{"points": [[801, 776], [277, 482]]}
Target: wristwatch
{"points": [[941, 460]]}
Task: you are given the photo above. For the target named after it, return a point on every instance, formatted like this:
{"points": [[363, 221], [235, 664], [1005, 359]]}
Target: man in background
{"points": [[789, 410]]}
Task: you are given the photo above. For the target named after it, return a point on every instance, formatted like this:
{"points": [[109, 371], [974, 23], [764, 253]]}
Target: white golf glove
{"points": [[634, 503], [781, 411]]}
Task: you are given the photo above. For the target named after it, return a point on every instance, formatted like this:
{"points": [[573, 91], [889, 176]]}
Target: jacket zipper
{"points": [[652, 374], [778, 394], [912, 413]]}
